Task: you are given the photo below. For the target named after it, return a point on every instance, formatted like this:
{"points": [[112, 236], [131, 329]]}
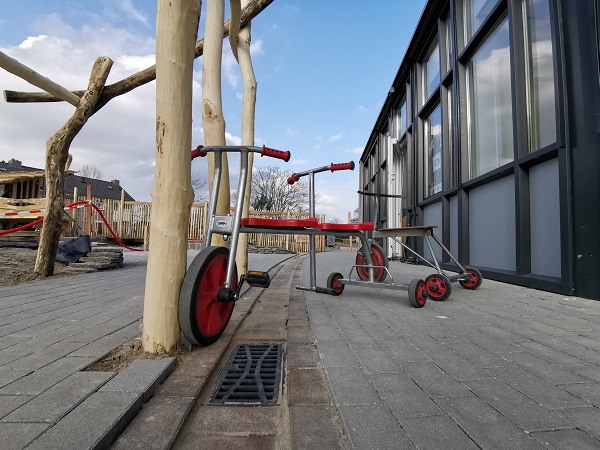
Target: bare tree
{"points": [[200, 187], [90, 171], [271, 191], [335, 220]]}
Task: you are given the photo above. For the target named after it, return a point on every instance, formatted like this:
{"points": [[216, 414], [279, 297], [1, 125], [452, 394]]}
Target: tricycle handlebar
{"points": [[279, 154], [342, 166], [264, 151]]}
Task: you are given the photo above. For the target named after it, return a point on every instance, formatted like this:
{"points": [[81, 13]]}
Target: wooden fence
{"points": [[131, 221]]}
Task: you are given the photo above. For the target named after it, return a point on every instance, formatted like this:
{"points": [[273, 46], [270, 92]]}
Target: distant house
{"points": [[100, 188]]}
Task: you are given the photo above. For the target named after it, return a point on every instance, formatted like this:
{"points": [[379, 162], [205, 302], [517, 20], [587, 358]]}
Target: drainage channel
{"points": [[251, 376]]}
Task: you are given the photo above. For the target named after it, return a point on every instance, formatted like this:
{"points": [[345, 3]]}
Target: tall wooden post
{"points": [[172, 193], [121, 208], [88, 212]]}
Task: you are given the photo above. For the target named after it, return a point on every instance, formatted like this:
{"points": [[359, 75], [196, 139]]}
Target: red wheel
{"points": [[476, 278], [438, 286], [332, 283], [202, 318], [417, 293], [379, 259]]}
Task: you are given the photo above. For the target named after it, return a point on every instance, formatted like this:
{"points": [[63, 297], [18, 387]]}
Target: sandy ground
{"points": [[16, 266]]}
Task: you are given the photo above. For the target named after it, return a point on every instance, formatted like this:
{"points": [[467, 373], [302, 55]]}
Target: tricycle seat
{"points": [[280, 223], [346, 226]]}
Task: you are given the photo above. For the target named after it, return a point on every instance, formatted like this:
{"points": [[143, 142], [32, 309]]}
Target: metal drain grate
{"points": [[251, 376]]}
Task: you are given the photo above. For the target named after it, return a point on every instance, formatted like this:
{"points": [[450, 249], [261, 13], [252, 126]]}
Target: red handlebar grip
{"points": [[198, 152], [293, 178], [342, 166], [266, 151]]}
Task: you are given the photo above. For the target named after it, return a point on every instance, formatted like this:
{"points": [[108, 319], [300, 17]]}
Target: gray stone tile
{"points": [[549, 354], [37, 382], [486, 426], [586, 419], [299, 335], [403, 351], [16, 436], [374, 427], [422, 341], [358, 337], [42, 357], [403, 396], [327, 333], [142, 376], [571, 439], [337, 354], [307, 386], [478, 355], [526, 413], [459, 367], [591, 373], [546, 394], [552, 373], [435, 381], [587, 391], [8, 403], [325, 428], [586, 355], [351, 386], [375, 360], [8, 376], [57, 401], [95, 423], [106, 344], [436, 433]]}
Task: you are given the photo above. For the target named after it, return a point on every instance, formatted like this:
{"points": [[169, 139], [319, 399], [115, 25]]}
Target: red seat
{"points": [[346, 226], [280, 223]]}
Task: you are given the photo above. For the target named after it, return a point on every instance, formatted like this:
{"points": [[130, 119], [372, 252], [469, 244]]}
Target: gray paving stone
{"points": [[403, 396], [327, 333], [591, 373], [586, 419], [8, 403], [548, 371], [337, 354], [299, 335], [156, 426], [57, 401], [478, 355], [302, 355], [486, 426], [587, 391], [374, 428], [549, 354], [459, 367], [351, 386], [37, 382], [567, 439], [422, 341], [586, 355], [403, 351], [16, 436], [526, 413], [436, 433], [546, 394], [435, 381], [358, 337], [106, 344], [374, 359], [41, 358], [142, 376], [307, 386], [325, 430], [95, 423], [8, 376], [381, 331]]}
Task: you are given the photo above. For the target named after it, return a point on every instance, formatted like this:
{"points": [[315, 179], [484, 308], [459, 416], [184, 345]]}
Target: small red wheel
{"points": [[476, 278], [417, 293], [379, 259], [438, 286], [201, 316], [332, 283]]}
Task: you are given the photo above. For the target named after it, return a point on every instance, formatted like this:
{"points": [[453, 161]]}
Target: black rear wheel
{"points": [[417, 293], [332, 283], [379, 259], [439, 286]]}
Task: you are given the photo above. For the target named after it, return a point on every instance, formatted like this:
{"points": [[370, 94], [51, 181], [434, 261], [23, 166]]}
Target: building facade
{"points": [[491, 132]]}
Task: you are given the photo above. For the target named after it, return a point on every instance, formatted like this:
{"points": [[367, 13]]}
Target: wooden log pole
{"points": [[88, 212], [31, 76], [57, 152], [172, 193], [121, 209]]}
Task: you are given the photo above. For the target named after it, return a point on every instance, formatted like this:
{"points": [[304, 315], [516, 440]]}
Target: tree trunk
{"points": [[212, 111], [248, 110], [172, 194], [57, 153]]}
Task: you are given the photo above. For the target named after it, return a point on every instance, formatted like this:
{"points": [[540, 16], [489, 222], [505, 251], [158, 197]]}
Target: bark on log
{"points": [[172, 194], [137, 79], [57, 152], [248, 114], [212, 110]]}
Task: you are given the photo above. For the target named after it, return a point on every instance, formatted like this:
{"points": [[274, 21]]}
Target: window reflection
{"points": [[542, 110], [433, 152], [491, 112], [432, 72], [476, 11]]}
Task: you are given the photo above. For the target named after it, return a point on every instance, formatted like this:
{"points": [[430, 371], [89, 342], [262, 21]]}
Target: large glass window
{"points": [[431, 77], [490, 103], [450, 128], [449, 56], [433, 152], [540, 66], [400, 120], [475, 13]]}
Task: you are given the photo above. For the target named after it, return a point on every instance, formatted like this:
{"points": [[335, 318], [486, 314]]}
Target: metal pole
{"points": [[213, 198]]}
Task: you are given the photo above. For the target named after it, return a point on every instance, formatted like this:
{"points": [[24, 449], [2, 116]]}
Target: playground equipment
{"points": [[211, 285]]}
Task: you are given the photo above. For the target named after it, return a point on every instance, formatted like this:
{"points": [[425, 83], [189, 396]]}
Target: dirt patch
{"points": [[121, 357], [16, 266]]}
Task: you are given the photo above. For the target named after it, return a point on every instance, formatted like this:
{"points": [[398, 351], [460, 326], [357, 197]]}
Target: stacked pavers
{"points": [[101, 257]]}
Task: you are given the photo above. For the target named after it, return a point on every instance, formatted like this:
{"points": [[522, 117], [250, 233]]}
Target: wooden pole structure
{"points": [[242, 52], [57, 152], [31, 76], [75, 195], [172, 193], [212, 111], [88, 212], [121, 209]]}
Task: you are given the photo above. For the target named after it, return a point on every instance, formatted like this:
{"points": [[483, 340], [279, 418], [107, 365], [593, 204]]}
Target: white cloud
{"points": [[292, 132], [362, 109], [298, 162], [232, 140], [126, 6], [335, 137], [357, 151]]}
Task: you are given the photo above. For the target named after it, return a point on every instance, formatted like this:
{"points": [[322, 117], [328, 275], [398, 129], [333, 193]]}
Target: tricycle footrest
{"points": [[256, 278]]}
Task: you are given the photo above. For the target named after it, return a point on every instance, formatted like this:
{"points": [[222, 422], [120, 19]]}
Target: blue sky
{"points": [[323, 70]]}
